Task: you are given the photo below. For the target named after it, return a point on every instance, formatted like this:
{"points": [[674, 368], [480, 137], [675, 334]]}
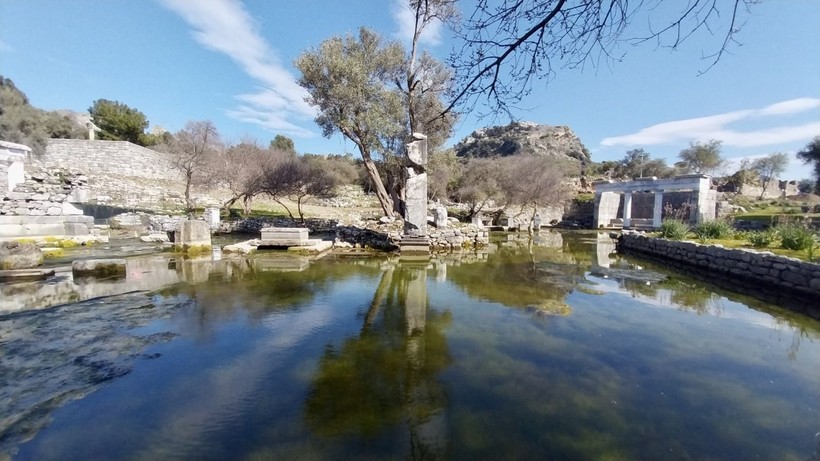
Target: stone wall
{"points": [[119, 158], [122, 174], [45, 192], [745, 268]]}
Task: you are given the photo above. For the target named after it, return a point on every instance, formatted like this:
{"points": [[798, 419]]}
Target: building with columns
{"points": [[644, 202]]}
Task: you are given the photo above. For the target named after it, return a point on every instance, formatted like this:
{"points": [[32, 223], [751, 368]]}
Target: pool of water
{"points": [[555, 350]]}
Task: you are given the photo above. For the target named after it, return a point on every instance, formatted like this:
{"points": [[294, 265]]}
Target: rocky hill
{"points": [[524, 138]]}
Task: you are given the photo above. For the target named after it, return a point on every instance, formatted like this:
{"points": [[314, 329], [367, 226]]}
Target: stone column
{"points": [[627, 210], [657, 212], [415, 238]]}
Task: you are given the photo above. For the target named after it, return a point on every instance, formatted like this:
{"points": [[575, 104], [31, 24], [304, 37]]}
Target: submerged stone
{"points": [[17, 255], [99, 268]]}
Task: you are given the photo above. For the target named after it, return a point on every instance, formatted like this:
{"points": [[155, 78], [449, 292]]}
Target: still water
{"points": [[555, 350]]}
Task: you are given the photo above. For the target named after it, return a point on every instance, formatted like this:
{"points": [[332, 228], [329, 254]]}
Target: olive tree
{"points": [[768, 168], [348, 80], [701, 158]]}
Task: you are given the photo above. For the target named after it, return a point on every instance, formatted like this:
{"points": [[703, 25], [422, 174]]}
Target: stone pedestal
{"points": [[414, 245], [284, 236], [211, 216], [192, 235]]}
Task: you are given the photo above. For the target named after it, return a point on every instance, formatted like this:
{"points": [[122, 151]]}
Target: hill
{"points": [[519, 138]]}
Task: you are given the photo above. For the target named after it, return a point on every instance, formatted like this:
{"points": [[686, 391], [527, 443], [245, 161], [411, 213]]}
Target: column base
{"points": [[414, 245]]}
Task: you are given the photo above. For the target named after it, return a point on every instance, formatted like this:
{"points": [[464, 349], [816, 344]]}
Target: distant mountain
{"points": [[524, 138]]}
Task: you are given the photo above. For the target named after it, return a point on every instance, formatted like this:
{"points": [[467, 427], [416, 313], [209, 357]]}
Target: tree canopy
{"points": [[118, 122], [811, 154], [701, 158], [284, 143], [769, 168]]}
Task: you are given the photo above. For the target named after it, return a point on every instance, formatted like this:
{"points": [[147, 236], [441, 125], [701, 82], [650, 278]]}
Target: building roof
{"points": [[14, 145]]}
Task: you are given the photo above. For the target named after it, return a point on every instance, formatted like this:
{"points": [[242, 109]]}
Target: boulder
{"points": [[16, 255]]}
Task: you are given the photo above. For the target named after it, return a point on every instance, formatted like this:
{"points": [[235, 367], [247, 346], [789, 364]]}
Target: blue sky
{"points": [[231, 62]]}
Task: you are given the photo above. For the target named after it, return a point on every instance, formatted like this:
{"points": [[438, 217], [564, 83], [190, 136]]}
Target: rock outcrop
{"points": [[524, 138]]}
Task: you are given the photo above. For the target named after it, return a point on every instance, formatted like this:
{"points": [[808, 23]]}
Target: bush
{"points": [[793, 237], [760, 239], [717, 229], [673, 229]]}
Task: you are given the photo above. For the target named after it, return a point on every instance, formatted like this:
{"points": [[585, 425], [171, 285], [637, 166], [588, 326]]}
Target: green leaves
{"points": [[118, 122]]}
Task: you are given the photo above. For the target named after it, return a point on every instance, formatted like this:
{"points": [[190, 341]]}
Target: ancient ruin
{"points": [[414, 238], [615, 202]]}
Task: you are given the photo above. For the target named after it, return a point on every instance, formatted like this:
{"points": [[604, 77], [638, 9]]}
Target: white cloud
{"points": [[226, 27], [717, 127], [4, 47], [406, 22]]}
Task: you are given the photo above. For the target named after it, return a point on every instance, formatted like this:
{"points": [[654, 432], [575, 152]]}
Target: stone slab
{"points": [[25, 275], [315, 247], [284, 242], [273, 233]]}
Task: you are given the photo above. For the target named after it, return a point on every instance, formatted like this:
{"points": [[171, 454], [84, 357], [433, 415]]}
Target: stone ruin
{"points": [[414, 239], [616, 202]]}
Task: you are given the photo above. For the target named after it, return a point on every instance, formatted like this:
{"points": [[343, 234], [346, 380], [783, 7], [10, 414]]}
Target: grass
{"points": [[778, 250]]}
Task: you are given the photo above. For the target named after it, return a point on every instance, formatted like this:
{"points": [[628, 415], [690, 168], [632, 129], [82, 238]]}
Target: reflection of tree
{"points": [[386, 376], [539, 280]]}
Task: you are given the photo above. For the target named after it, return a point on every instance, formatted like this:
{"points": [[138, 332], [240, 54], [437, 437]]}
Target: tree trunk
{"points": [[381, 193], [188, 204]]}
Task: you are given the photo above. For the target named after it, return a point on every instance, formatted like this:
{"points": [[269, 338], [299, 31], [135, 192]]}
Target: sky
{"points": [[231, 62]]}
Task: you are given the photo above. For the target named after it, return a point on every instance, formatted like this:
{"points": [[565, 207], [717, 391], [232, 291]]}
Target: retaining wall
{"points": [[744, 268]]}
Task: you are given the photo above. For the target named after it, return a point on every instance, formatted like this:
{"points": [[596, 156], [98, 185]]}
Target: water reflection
{"points": [[387, 375], [545, 349]]}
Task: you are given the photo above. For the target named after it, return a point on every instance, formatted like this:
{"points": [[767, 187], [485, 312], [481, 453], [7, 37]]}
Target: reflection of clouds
{"points": [[229, 389]]}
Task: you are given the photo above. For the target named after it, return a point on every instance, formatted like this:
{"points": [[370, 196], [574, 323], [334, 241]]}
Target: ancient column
{"points": [[627, 210], [657, 211], [414, 239]]}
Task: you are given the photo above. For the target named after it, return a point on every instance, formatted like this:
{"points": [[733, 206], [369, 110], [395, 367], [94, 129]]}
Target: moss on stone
{"points": [[193, 249], [52, 252]]}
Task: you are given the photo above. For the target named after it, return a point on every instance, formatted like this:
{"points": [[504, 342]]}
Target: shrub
{"points": [[760, 239], [793, 237], [673, 229], [718, 229]]}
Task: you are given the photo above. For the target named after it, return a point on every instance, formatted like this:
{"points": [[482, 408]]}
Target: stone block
{"points": [[284, 233], [192, 233], [794, 277], [15, 255], [54, 211], [76, 229]]}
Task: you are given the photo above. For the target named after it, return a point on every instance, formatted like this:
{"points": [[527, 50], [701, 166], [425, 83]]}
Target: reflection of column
{"points": [[415, 307], [441, 272], [657, 212], [604, 246], [627, 210]]}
